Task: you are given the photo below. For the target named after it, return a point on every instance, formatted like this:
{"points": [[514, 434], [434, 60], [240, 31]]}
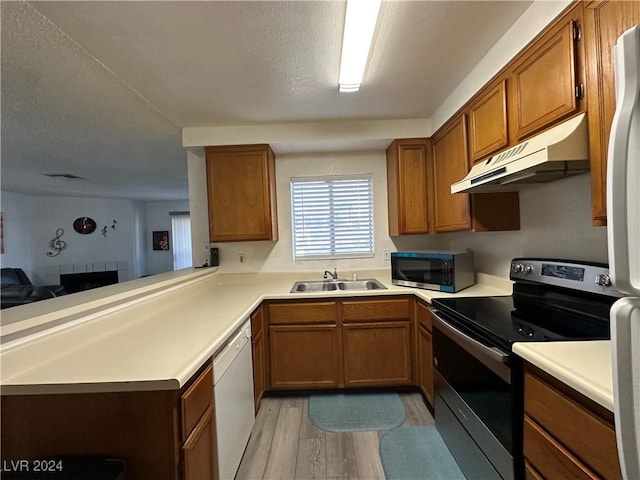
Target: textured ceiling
{"points": [[102, 89]]}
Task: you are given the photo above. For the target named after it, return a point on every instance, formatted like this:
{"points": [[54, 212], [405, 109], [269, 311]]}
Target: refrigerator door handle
{"points": [[623, 169]]}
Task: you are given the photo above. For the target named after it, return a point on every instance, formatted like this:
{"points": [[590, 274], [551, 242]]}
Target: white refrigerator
{"points": [[623, 231]]}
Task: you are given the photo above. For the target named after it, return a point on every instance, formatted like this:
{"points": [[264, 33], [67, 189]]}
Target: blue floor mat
{"points": [[356, 412], [412, 453]]}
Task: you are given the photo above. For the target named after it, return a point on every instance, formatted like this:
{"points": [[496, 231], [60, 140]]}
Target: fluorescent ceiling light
{"points": [[359, 26]]}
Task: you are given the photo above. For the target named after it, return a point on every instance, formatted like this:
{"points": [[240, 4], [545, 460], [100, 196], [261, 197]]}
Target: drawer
{"points": [[423, 314], [195, 400], [382, 309], [549, 458], [302, 312], [587, 435]]}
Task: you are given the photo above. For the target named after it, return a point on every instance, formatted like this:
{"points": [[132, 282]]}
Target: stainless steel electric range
{"points": [[479, 381]]}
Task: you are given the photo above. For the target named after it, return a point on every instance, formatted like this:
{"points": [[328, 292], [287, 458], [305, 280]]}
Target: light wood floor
{"points": [[284, 444]]}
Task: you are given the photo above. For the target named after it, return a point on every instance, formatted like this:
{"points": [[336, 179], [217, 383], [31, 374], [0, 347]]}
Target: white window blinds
{"points": [[332, 217], [181, 239]]}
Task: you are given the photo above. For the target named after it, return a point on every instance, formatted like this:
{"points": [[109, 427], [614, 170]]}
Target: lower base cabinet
{"points": [[424, 351], [258, 357], [566, 435], [160, 435], [425, 364], [377, 354], [304, 356], [353, 342], [198, 460]]}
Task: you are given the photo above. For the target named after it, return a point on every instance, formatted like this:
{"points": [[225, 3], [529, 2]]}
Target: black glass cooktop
{"points": [[528, 316]]}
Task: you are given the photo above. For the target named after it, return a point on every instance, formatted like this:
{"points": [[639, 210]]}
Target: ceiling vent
{"points": [[68, 176]]}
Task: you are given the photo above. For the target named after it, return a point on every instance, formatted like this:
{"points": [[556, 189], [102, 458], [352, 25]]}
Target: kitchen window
{"points": [[332, 217]]}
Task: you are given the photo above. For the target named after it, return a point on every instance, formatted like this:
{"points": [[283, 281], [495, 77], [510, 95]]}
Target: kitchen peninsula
{"points": [[143, 348], [166, 335], [146, 348]]}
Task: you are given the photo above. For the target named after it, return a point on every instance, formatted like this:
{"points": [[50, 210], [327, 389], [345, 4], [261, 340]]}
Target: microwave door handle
{"points": [[472, 345]]}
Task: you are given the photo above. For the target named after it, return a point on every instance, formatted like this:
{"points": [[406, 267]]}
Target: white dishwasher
{"points": [[234, 406]]}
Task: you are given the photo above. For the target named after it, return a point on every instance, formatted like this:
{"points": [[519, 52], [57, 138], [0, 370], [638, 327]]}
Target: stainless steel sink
{"points": [[314, 286], [366, 284], [333, 285]]}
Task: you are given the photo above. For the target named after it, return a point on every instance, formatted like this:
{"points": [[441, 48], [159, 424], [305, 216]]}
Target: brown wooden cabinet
{"points": [[461, 211], [450, 164], [377, 353], [488, 130], [547, 79], [198, 430], [164, 435], [340, 343], [376, 339], [258, 351], [604, 22], [408, 182], [424, 351], [241, 193], [566, 435], [198, 460], [304, 356], [304, 345]]}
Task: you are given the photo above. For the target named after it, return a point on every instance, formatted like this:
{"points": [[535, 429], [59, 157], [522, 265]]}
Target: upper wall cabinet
{"points": [[408, 182], [480, 212], [241, 193], [488, 122], [547, 79], [604, 22], [450, 164]]}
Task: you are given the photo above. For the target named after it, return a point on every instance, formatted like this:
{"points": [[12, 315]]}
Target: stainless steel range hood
{"points": [[563, 150]]}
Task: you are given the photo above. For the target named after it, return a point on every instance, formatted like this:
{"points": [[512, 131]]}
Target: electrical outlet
{"points": [[242, 257], [387, 255]]}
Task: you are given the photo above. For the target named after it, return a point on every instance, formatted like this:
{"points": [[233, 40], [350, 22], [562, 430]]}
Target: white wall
{"points": [[157, 218], [18, 211], [118, 245], [198, 205], [532, 22], [555, 221], [277, 256], [555, 217], [31, 223]]}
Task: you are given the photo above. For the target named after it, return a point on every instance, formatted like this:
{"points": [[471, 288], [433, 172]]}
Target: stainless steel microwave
{"points": [[442, 271]]}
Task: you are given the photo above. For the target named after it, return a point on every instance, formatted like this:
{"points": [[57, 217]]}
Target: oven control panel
{"points": [[587, 277]]}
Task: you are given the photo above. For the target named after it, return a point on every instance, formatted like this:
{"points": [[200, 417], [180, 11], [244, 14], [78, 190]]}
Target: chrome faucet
{"points": [[334, 275]]}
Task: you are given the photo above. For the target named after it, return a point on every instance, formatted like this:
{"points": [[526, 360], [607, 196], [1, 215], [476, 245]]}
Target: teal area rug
{"points": [[411, 453], [356, 412]]}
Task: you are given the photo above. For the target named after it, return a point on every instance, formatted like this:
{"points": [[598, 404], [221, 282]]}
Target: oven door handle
{"points": [[473, 346]]}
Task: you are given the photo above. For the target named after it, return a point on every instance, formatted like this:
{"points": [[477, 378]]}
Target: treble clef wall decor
{"points": [[57, 244]]}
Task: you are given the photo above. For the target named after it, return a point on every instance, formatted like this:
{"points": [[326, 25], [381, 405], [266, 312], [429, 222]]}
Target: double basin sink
{"points": [[337, 285]]}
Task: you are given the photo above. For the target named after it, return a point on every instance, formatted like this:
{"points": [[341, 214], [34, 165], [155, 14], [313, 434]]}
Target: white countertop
{"points": [[584, 366], [151, 335]]}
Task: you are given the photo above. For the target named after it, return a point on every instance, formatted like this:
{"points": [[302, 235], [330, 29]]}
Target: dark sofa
{"points": [[17, 289]]}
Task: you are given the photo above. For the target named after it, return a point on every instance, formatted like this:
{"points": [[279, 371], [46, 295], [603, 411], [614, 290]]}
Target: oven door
{"points": [[476, 403]]}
